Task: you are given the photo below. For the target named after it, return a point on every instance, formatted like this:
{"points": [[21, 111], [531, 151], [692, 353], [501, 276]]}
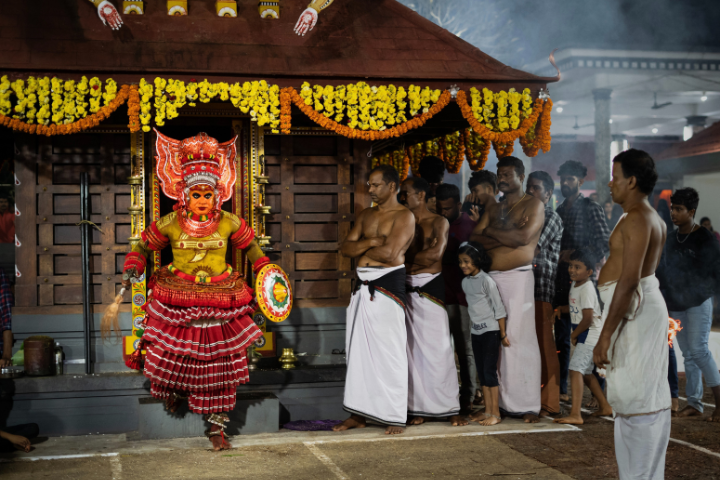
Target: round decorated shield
{"points": [[274, 295]]}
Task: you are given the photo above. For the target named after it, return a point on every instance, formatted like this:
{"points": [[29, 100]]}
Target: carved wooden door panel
{"points": [[48, 198], [312, 194]]}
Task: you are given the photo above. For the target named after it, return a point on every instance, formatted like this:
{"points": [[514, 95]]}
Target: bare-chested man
{"points": [[433, 389], [633, 343], [509, 230], [376, 385]]}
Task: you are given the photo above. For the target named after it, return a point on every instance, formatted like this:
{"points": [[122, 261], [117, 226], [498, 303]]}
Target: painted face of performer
{"points": [[202, 200]]}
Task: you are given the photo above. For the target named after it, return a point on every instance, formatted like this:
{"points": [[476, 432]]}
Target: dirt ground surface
{"points": [[512, 450], [590, 454]]}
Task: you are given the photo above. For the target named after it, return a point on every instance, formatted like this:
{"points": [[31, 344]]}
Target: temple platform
{"points": [[115, 403]]}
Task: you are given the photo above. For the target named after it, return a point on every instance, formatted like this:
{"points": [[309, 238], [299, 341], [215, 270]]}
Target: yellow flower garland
{"points": [[368, 107], [44, 100]]}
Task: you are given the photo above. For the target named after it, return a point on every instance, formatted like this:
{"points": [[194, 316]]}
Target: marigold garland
{"points": [[398, 159], [285, 110], [370, 135], [502, 141], [134, 109], [74, 127]]}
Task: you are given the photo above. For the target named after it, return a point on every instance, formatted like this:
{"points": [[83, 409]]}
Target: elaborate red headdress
{"points": [[198, 160]]}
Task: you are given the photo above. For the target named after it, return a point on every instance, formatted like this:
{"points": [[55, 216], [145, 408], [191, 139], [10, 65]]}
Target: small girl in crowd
{"points": [[487, 314]]}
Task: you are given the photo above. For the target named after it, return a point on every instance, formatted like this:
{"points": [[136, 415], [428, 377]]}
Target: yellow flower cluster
{"points": [[260, 100], [45, 100], [421, 99], [501, 111], [366, 107]]}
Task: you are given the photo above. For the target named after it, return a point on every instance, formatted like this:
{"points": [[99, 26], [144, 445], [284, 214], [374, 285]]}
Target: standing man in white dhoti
{"points": [[509, 230], [634, 341], [433, 389], [376, 385]]}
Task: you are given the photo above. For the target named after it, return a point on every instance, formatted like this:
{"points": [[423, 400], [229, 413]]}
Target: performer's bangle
{"points": [[135, 260], [260, 263]]}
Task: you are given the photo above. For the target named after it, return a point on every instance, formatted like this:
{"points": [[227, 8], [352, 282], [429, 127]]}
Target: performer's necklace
{"points": [[677, 233], [508, 213]]}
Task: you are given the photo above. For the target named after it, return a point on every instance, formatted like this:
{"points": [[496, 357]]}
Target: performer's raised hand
{"points": [[109, 15], [306, 22], [127, 277]]}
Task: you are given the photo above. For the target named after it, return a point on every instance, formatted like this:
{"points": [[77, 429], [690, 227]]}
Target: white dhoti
{"points": [[376, 385], [519, 366], [433, 389], [641, 442], [637, 385]]}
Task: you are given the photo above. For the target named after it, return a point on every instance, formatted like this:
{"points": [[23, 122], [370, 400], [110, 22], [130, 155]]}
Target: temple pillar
{"points": [[603, 140]]}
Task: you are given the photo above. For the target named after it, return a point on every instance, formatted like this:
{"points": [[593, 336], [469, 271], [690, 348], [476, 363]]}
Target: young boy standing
{"points": [[585, 315]]}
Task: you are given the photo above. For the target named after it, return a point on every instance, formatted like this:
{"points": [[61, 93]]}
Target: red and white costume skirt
{"points": [[196, 336]]}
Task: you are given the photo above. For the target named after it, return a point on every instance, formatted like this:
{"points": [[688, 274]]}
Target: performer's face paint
{"points": [[202, 200]]}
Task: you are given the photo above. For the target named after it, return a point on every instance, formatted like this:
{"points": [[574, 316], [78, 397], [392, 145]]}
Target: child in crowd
{"points": [[487, 314], [585, 315]]}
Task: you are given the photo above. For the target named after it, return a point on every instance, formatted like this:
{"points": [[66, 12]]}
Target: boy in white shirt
{"points": [[585, 315]]}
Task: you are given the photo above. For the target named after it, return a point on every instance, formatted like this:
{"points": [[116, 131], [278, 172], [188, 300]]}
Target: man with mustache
{"points": [[584, 227], [509, 230], [376, 385]]}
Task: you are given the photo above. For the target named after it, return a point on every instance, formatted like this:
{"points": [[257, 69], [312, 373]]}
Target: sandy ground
{"points": [[511, 450]]}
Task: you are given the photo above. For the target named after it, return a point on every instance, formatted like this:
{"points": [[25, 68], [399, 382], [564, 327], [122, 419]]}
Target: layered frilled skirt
{"points": [[196, 338]]}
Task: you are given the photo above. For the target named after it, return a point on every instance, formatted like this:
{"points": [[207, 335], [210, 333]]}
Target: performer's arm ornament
{"points": [[153, 238], [308, 18], [136, 261], [244, 239]]}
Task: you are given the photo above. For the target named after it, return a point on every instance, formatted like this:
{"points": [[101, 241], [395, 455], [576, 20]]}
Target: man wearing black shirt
{"points": [[688, 279]]}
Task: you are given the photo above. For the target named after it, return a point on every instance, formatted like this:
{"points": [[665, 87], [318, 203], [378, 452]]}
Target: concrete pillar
{"points": [[603, 139]]}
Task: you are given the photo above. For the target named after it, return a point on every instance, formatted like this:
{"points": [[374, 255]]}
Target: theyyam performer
{"points": [[376, 385], [198, 315], [433, 390]]}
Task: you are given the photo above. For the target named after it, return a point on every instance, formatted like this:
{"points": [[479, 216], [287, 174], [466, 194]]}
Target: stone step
{"points": [[253, 413]]}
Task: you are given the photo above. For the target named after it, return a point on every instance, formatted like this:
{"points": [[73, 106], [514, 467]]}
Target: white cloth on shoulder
{"points": [[376, 384], [519, 367], [639, 352], [433, 389], [641, 443]]}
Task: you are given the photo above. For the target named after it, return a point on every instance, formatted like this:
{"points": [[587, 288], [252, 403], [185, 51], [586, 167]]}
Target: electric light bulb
{"points": [[610, 120], [559, 109], [654, 130], [703, 98]]}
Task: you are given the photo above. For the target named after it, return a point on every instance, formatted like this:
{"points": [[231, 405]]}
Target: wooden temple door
{"points": [[312, 193], [48, 199]]}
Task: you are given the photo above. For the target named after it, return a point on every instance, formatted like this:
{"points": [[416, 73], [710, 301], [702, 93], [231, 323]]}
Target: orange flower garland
{"points": [[371, 135], [542, 132], [285, 109], [502, 142], [134, 109], [74, 127]]}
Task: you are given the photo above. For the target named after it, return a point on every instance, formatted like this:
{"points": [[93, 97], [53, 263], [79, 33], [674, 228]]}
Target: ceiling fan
{"points": [[655, 103], [578, 127]]}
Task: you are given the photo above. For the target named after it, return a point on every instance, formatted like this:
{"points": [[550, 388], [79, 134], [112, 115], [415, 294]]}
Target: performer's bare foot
{"points": [[355, 421], [416, 421], [715, 417], [490, 420], [531, 418], [689, 412], [390, 430], [602, 412], [478, 417], [564, 397], [458, 421], [570, 419]]}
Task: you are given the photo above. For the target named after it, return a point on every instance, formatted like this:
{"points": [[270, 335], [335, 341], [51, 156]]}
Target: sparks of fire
{"points": [[673, 328]]}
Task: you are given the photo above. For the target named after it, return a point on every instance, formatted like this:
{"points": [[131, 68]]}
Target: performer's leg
{"points": [[550, 399]]}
